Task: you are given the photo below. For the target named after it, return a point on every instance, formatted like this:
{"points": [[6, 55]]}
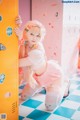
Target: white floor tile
{"points": [[56, 117], [24, 111], [40, 97], [76, 92], [76, 115], [70, 104], [73, 86]]}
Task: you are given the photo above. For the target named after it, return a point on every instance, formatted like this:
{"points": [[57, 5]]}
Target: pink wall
{"points": [[50, 13], [24, 10], [59, 19]]}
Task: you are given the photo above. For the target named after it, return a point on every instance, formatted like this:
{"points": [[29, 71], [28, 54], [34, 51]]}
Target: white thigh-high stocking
{"points": [[53, 98], [28, 92]]}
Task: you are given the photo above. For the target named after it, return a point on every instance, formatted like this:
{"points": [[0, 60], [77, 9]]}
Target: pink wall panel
{"points": [[24, 10], [50, 13]]}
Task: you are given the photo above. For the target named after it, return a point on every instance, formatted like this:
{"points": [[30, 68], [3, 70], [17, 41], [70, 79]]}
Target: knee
{"points": [[52, 100], [50, 107]]}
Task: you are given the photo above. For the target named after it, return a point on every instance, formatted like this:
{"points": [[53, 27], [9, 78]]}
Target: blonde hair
{"points": [[34, 23]]}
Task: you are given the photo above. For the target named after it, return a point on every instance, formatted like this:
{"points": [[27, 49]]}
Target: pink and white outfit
{"points": [[52, 79]]}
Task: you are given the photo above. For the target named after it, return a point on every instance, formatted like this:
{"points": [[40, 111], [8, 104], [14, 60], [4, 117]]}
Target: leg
{"points": [[28, 92], [54, 96], [67, 88]]}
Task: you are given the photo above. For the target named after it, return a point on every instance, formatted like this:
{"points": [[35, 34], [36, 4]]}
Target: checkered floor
{"points": [[69, 109]]}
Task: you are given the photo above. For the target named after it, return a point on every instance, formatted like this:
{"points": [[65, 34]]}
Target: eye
{"points": [[38, 35], [26, 30], [32, 34]]}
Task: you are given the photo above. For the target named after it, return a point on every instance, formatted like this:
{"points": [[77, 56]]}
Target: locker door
{"points": [[8, 61]]}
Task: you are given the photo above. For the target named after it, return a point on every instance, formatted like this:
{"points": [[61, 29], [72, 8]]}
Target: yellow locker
{"points": [[8, 61]]}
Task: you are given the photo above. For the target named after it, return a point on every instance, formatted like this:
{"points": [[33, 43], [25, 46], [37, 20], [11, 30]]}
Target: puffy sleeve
{"points": [[36, 56], [35, 59]]}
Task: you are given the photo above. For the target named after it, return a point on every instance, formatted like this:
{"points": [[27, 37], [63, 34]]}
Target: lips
{"points": [[33, 41]]}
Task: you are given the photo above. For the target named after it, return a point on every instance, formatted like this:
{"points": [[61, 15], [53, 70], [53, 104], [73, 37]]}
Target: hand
{"points": [[18, 21], [18, 32], [33, 83]]}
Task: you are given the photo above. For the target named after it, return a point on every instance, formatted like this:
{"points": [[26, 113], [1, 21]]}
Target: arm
{"points": [[18, 33], [17, 30], [18, 21], [23, 62]]}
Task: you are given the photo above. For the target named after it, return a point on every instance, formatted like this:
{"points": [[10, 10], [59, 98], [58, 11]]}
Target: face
{"points": [[34, 35]]}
